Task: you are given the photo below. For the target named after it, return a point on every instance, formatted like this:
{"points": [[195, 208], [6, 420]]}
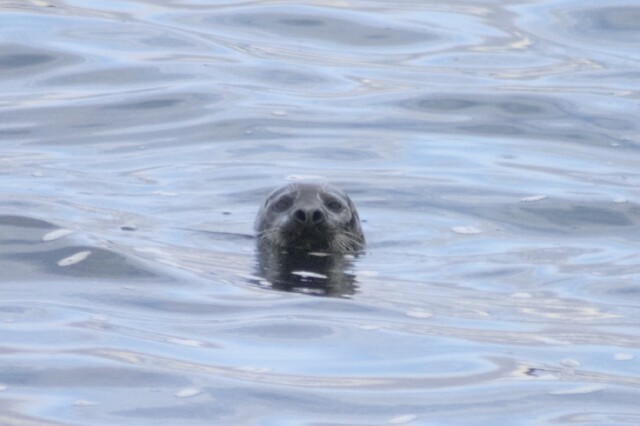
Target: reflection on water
{"points": [[314, 273], [491, 149]]}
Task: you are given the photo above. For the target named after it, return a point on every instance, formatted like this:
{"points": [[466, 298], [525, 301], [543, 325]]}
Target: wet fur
{"points": [[338, 233]]}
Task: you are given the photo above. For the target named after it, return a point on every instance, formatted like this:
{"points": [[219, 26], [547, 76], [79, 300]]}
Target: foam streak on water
{"points": [[491, 147]]}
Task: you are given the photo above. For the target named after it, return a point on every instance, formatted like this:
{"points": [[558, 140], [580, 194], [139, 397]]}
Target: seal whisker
{"points": [[273, 236]]}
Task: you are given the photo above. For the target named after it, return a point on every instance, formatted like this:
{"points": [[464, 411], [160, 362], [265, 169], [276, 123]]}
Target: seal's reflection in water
{"points": [[314, 273], [308, 235]]}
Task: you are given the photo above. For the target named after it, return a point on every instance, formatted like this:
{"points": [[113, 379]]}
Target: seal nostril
{"points": [[317, 216], [300, 216]]}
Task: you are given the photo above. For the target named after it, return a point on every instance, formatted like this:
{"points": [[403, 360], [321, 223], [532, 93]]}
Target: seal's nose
{"points": [[309, 217]]}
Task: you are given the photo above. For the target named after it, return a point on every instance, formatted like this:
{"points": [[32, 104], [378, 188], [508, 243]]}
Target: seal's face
{"points": [[310, 217]]}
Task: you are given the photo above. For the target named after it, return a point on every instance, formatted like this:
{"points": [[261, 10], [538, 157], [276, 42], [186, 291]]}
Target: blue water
{"points": [[492, 149]]}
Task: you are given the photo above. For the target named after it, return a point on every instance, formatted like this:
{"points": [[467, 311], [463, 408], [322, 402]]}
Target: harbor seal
{"points": [[308, 236], [309, 217]]}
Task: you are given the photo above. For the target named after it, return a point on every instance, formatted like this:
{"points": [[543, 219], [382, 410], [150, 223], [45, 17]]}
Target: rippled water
{"points": [[492, 149]]}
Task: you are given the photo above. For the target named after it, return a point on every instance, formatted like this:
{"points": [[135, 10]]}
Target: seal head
{"points": [[309, 217]]}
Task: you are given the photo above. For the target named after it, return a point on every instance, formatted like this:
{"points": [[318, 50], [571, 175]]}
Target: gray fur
{"points": [[337, 230]]}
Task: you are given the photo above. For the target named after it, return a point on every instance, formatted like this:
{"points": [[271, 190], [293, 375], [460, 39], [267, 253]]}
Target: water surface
{"points": [[491, 148]]}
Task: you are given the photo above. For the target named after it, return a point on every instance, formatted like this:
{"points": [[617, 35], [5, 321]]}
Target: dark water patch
{"points": [[14, 132], [581, 216], [20, 233], [613, 123], [98, 263], [150, 104], [530, 116], [289, 78], [52, 377], [594, 33], [164, 41], [627, 77], [23, 222], [507, 105], [493, 129], [283, 330], [342, 154], [116, 76], [18, 61], [614, 23], [318, 25], [625, 289], [567, 217]]}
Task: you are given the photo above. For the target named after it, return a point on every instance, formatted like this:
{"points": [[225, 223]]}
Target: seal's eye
{"points": [[283, 204], [334, 205]]}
